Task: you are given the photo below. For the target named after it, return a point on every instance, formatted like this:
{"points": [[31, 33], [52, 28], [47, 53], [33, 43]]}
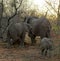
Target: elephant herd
{"points": [[35, 27]]}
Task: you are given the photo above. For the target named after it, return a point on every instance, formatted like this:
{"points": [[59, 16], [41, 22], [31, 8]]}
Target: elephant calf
{"points": [[46, 46], [16, 32]]}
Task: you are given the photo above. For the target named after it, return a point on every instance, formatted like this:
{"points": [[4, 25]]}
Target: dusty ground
{"points": [[29, 53]]}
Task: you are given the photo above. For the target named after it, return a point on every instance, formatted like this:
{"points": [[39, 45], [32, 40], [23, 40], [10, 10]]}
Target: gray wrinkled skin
{"points": [[16, 32], [40, 27], [46, 46]]}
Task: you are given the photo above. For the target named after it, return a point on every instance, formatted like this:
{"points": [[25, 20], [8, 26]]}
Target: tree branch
{"points": [[49, 3], [16, 8], [20, 4]]}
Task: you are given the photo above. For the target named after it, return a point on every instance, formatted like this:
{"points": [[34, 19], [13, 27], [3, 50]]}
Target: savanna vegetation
{"points": [[15, 11]]}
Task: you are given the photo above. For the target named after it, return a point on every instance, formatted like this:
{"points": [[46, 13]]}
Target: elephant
{"points": [[16, 32], [46, 46], [40, 27]]}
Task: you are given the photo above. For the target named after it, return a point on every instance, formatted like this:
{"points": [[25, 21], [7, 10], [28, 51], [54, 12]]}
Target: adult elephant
{"points": [[40, 27], [16, 32]]}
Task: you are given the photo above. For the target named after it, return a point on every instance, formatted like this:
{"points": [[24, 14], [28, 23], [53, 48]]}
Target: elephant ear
{"points": [[29, 26], [27, 19]]}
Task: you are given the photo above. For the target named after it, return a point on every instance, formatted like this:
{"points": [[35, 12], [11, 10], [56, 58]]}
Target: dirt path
{"points": [[30, 53], [27, 54]]}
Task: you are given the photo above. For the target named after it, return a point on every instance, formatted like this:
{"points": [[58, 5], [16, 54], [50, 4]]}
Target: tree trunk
{"points": [[58, 14], [1, 15]]}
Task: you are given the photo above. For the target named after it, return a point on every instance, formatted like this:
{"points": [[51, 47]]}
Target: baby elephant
{"points": [[46, 46]]}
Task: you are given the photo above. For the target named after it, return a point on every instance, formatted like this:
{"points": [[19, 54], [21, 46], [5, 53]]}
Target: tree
{"points": [[58, 14], [13, 9], [1, 14], [56, 10], [13, 5]]}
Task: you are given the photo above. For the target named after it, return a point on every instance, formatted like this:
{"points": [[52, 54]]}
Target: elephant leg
{"points": [[45, 52], [49, 53], [21, 43], [22, 40], [33, 41], [8, 40], [8, 43], [42, 51]]}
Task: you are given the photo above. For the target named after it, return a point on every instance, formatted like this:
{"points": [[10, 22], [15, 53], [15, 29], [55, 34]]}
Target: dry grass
{"points": [[30, 53]]}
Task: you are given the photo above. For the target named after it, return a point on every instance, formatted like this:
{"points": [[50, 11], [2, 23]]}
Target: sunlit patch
{"points": [[43, 6], [39, 3]]}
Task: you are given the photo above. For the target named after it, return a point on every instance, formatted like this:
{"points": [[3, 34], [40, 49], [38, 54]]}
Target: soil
{"points": [[29, 53]]}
